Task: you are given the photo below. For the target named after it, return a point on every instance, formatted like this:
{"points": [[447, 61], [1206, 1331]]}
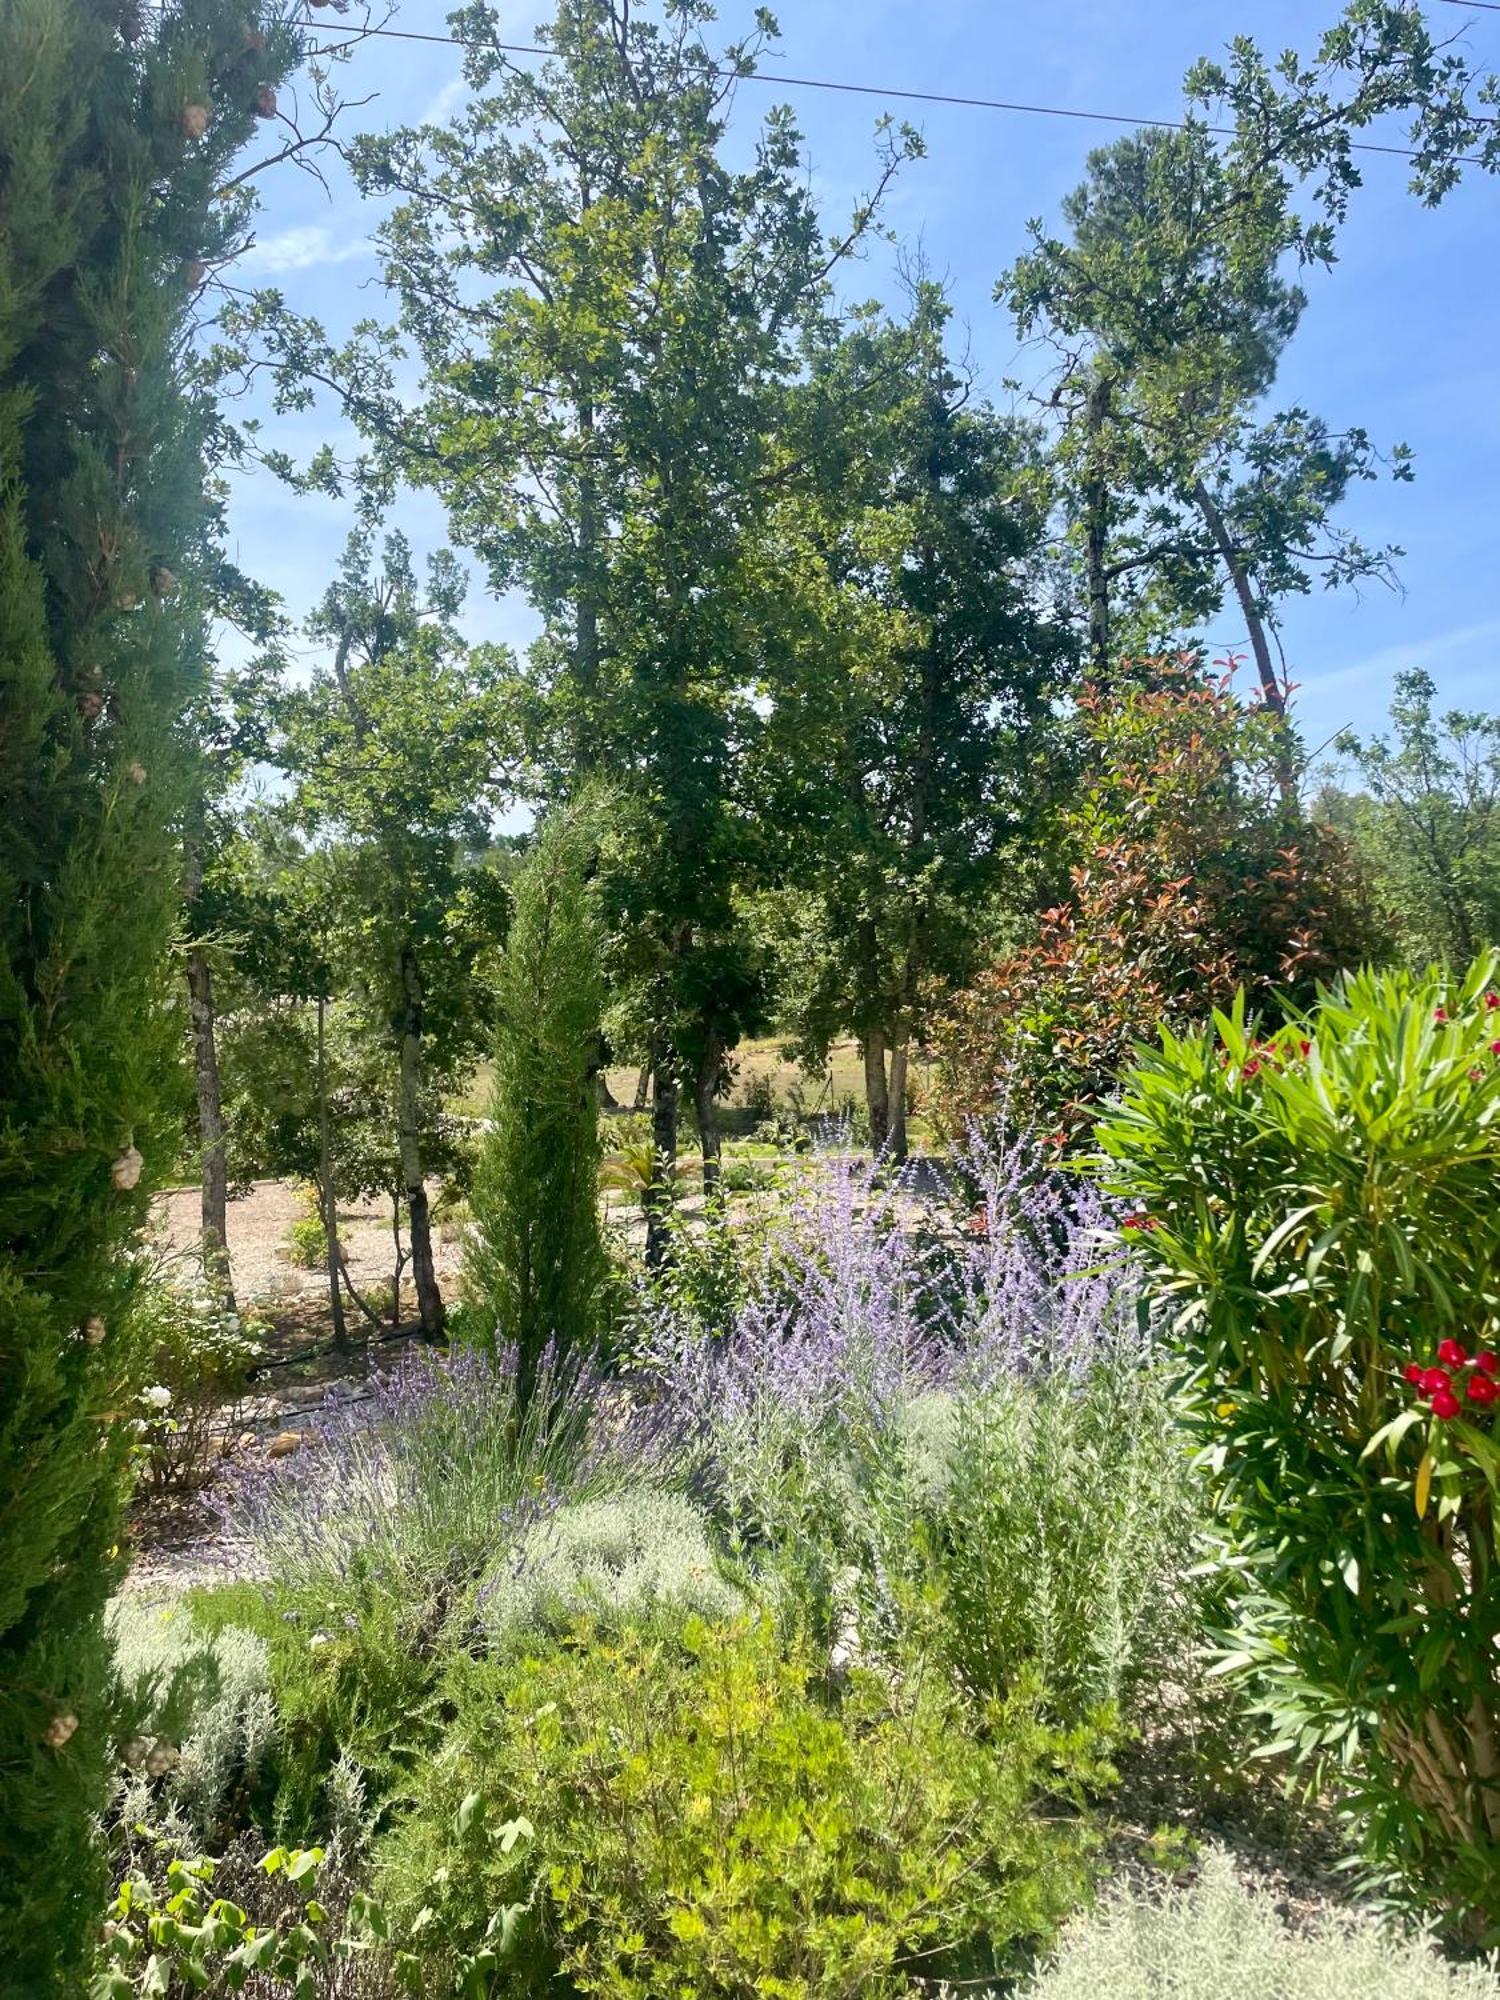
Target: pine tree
{"points": [[535, 1262], [113, 142]]}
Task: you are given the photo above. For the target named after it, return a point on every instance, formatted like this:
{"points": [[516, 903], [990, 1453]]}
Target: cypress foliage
{"points": [[534, 1266], [116, 126]]}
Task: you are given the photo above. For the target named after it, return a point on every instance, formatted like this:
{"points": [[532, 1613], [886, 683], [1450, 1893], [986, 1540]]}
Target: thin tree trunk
{"points": [[214, 1166], [430, 1310], [877, 1097], [899, 1048], [642, 1087], [706, 1105], [663, 1183], [327, 1199], [1255, 625], [1096, 520]]}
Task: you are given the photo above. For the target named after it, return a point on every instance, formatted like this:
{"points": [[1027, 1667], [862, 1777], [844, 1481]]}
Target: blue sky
{"points": [[1399, 338]]}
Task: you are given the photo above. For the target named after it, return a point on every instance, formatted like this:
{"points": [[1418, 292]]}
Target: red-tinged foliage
{"points": [[1193, 877]]}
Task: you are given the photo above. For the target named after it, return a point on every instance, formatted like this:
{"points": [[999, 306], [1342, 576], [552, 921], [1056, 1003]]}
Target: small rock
{"points": [[284, 1444], [59, 1730]]}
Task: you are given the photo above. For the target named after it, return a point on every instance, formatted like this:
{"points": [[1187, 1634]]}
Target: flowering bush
{"points": [[1317, 1210], [195, 1353]]}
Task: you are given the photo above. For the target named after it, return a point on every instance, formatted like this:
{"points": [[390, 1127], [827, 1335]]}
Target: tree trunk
{"points": [[1271, 688], [896, 1146], [706, 1105], [327, 1199], [1096, 519], [663, 1183], [214, 1166], [642, 1087], [877, 1098], [423, 1271]]}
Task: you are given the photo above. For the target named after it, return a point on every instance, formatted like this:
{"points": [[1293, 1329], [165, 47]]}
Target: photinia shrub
{"points": [[1193, 876], [1318, 1213]]}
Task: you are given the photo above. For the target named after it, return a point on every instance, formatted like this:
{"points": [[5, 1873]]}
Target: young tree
{"points": [[398, 750], [1427, 824], [534, 1263], [117, 128], [903, 756]]}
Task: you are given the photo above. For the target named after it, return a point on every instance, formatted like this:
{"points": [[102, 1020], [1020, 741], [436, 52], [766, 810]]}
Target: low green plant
{"points": [[703, 1817], [1217, 1940], [635, 1558], [1317, 1213], [307, 1243], [178, 1937], [1066, 1529]]}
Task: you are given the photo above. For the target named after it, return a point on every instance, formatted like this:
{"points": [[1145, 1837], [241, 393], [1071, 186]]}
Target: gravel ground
{"points": [[259, 1222]]}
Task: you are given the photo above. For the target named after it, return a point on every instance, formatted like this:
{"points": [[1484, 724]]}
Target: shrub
{"points": [[195, 1354], [194, 1717], [636, 1557], [307, 1243], [1216, 1940], [1066, 1533], [1193, 877], [699, 1820], [368, 1544], [1317, 1212]]}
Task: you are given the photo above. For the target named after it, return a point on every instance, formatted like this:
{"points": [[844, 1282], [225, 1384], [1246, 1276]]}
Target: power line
{"points": [[777, 79], [1484, 6]]}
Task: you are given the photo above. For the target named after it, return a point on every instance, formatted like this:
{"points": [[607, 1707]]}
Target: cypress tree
{"points": [[534, 1265], [116, 127]]}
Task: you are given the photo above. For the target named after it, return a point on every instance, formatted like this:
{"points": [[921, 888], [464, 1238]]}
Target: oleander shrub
{"points": [[1217, 1940], [1316, 1212], [641, 1557], [195, 1720], [702, 1816]]}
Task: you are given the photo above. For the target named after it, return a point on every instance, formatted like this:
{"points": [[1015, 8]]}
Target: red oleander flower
{"points": [[1435, 1381], [1445, 1404], [1495, 1048], [1488, 1361], [1306, 1048], [1452, 1353], [1252, 1066], [1491, 1001], [1414, 1371], [1440, 1013], [1481, 1389]]}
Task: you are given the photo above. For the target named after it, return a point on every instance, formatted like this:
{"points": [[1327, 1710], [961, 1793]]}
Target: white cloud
{"points": [[304, 249], [1439, 649]]}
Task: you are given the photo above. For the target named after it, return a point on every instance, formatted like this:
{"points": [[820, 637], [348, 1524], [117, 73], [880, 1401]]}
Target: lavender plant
{"points": [[419, 1483]]}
